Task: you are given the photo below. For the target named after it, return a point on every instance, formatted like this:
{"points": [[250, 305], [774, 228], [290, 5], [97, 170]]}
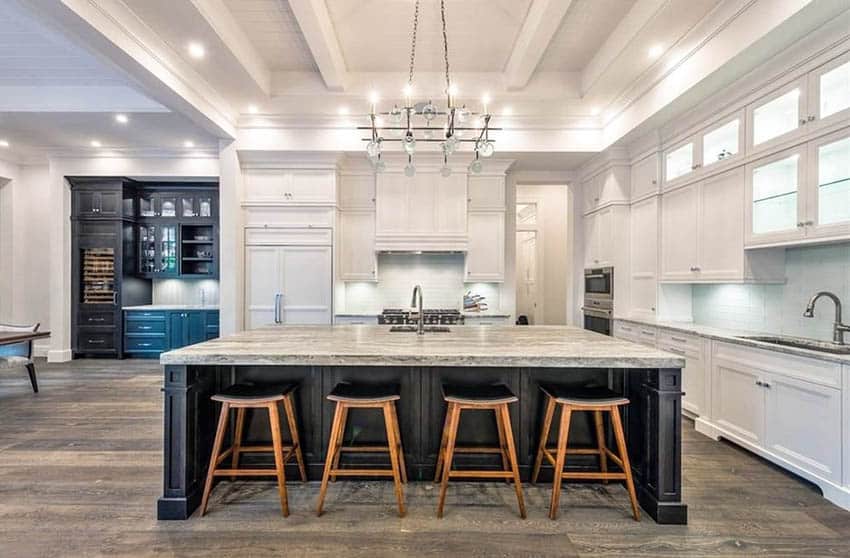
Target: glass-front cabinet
{"points": [[679, 161], [829, 176], [714, 147], [829, 87], [778, 114], [158, 250], [775, 198], [721, 143]]}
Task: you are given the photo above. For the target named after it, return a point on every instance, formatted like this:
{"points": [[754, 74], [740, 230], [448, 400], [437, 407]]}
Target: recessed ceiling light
{"points": [[342, 111], [253, 109], [655, 51], [95, 143], [121, 118], [4, 143], [595, 110], [196, 50], [507, 111], [188, 144]]}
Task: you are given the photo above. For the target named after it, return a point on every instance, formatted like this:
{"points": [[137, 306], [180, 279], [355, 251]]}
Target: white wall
{"points": [[8, 179]]}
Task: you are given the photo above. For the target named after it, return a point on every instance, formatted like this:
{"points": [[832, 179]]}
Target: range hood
{"points": [[421, 243]]}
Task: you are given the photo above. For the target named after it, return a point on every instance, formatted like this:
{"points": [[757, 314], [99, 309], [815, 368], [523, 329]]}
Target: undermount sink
{"points": [[413, 329], [799, 343]]}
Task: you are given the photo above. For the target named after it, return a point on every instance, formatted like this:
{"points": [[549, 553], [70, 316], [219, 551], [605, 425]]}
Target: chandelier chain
{"points": [[445, 43], [413, 43]]}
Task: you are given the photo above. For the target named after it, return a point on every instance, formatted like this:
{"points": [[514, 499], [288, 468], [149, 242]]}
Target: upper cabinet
{"points": [[423, 212], [357, 191], [287, 186], [644, 177], [610, 185], [712, 148], [485, 256], [800, 194], [486, 192], [815, 100], [102, 199]]}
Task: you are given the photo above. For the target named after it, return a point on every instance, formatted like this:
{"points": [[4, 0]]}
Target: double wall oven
{"points": [[598, 306]]}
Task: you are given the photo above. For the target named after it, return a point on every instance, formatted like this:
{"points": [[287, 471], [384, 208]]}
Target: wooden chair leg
{"points": [[401, 462], [289, 408], [329, 458], [563, 434], [600, 443], [438, 474], [338, 445], [33, 381], [454, 412], [620, 437], [216, 450], [237, 439], [544, 437], [392, 442], [277, 445], [509, 440], [502, 444]]}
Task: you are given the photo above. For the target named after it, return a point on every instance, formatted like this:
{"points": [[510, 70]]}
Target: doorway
{"points": [[529, 255]]}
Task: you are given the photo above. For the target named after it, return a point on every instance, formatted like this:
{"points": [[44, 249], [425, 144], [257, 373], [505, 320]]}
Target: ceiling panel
{"points": [[585, 27], [374, 35], [274, 32]]}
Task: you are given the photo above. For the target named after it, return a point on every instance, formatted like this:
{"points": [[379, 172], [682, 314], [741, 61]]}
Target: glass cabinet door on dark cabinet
{"points": [[167, 205], [147, 205], [158, 249]]}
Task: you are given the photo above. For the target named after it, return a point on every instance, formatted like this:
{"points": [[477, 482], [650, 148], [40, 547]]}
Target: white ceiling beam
{"points": [[75, 98], [109, 29], [221, 20], [316, 26], [540, 25], [618, 41]]}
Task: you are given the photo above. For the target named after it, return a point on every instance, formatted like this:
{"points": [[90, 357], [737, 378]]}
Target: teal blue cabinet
{"points": [[147, 333]]}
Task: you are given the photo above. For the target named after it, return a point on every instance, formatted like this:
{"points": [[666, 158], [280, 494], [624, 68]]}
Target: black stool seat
{"points": [[583, 395], [364, 392], [244, 393], [478, 394]]}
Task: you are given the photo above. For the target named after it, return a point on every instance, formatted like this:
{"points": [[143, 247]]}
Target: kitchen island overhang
{"points": [[522, 357]]}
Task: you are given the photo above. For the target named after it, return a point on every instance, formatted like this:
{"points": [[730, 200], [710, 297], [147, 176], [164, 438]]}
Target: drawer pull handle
{"points": [[96, 319], [645, 332], [144, 344], [675, 350], [624, 328], [96, 341], [679, 339], [144, 327]]}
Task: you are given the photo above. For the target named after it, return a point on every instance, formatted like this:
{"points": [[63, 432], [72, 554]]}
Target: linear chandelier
{"points": [[416, 122]]}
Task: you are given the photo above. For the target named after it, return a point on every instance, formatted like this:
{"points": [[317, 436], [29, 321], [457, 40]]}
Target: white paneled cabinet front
{"points": [[423, 212], [644, 257], [288, 284], [357, 260], [644, 179], [485, 258], [680, 233], [280, 186], [738, 399]]}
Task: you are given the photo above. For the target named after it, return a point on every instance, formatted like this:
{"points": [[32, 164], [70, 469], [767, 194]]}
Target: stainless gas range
{"points": [[433, 316]]}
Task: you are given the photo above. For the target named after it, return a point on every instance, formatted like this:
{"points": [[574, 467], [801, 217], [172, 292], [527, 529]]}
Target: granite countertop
{"points": [[733, 336], [172, 307], [372, 345]]}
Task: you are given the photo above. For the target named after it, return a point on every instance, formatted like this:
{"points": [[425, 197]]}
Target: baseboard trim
{"points": [[62, 355]]}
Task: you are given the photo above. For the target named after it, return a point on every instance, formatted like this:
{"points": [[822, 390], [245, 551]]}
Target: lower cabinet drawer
{"points": [[144, 326], [149, 343], [144, 315], [96, 318], [93, 341]]}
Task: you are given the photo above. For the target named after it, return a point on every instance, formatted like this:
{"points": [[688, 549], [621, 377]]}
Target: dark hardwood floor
{"points": [[80, 475]]}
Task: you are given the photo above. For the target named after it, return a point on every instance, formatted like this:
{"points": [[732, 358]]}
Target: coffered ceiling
{"points": [[564, 75]]}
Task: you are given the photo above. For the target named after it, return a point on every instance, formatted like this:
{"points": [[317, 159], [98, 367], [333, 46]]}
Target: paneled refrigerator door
{"points": [[262, 285], [307, 285]]}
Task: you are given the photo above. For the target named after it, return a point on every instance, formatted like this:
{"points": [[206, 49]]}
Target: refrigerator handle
{"points": [[277, 308]]}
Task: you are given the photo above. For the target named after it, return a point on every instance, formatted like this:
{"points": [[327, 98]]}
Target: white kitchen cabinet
{"points": [[680, 161], [644, 258], [680, 233], [287, 186], [800, 195], [694, 381], [292, 284], [357, 191], [711, 149], [645, 177], [423, 212], [486, 192], [829, 89], [357, 259], [599, 238], [702, 235], [485, 257], [635, 332], [787, 408], [610, 185]]}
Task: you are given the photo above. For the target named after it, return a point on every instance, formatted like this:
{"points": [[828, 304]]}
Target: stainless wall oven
{"points": [[598, 306]]}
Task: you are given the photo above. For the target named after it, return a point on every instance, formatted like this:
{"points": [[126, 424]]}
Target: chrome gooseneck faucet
{"points": [[839, 328], [417, 290]]}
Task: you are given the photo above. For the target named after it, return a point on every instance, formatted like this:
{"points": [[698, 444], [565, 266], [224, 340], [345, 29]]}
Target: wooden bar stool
{"points": [[492, 397], [596, 400], [248, 396], [363, 396]]}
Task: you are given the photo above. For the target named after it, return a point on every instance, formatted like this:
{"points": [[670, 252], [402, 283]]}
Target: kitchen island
{"points": [[318, 357]]}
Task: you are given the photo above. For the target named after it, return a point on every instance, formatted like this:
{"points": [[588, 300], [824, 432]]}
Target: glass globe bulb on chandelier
{"points": [[414, 122]]}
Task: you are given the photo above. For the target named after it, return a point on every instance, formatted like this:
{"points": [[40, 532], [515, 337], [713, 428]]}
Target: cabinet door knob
{"points": [[759, 383], [803, 121], [810, 223], [811, 118], [800, 224]]}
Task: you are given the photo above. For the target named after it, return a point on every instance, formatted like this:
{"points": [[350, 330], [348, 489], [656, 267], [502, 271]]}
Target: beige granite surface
{"points": [[735, 336], [374, 345]]}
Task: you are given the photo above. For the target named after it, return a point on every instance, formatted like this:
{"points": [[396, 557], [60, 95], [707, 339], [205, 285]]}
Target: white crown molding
{"points": [[132, 153], [269, 159], [615, 156]]}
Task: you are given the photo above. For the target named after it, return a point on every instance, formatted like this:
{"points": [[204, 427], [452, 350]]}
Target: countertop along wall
{"points": [[779, 308]]}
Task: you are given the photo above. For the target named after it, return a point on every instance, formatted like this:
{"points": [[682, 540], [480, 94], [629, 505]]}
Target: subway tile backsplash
{"points": [[185, 291], [779, 308], [441, 277]]}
